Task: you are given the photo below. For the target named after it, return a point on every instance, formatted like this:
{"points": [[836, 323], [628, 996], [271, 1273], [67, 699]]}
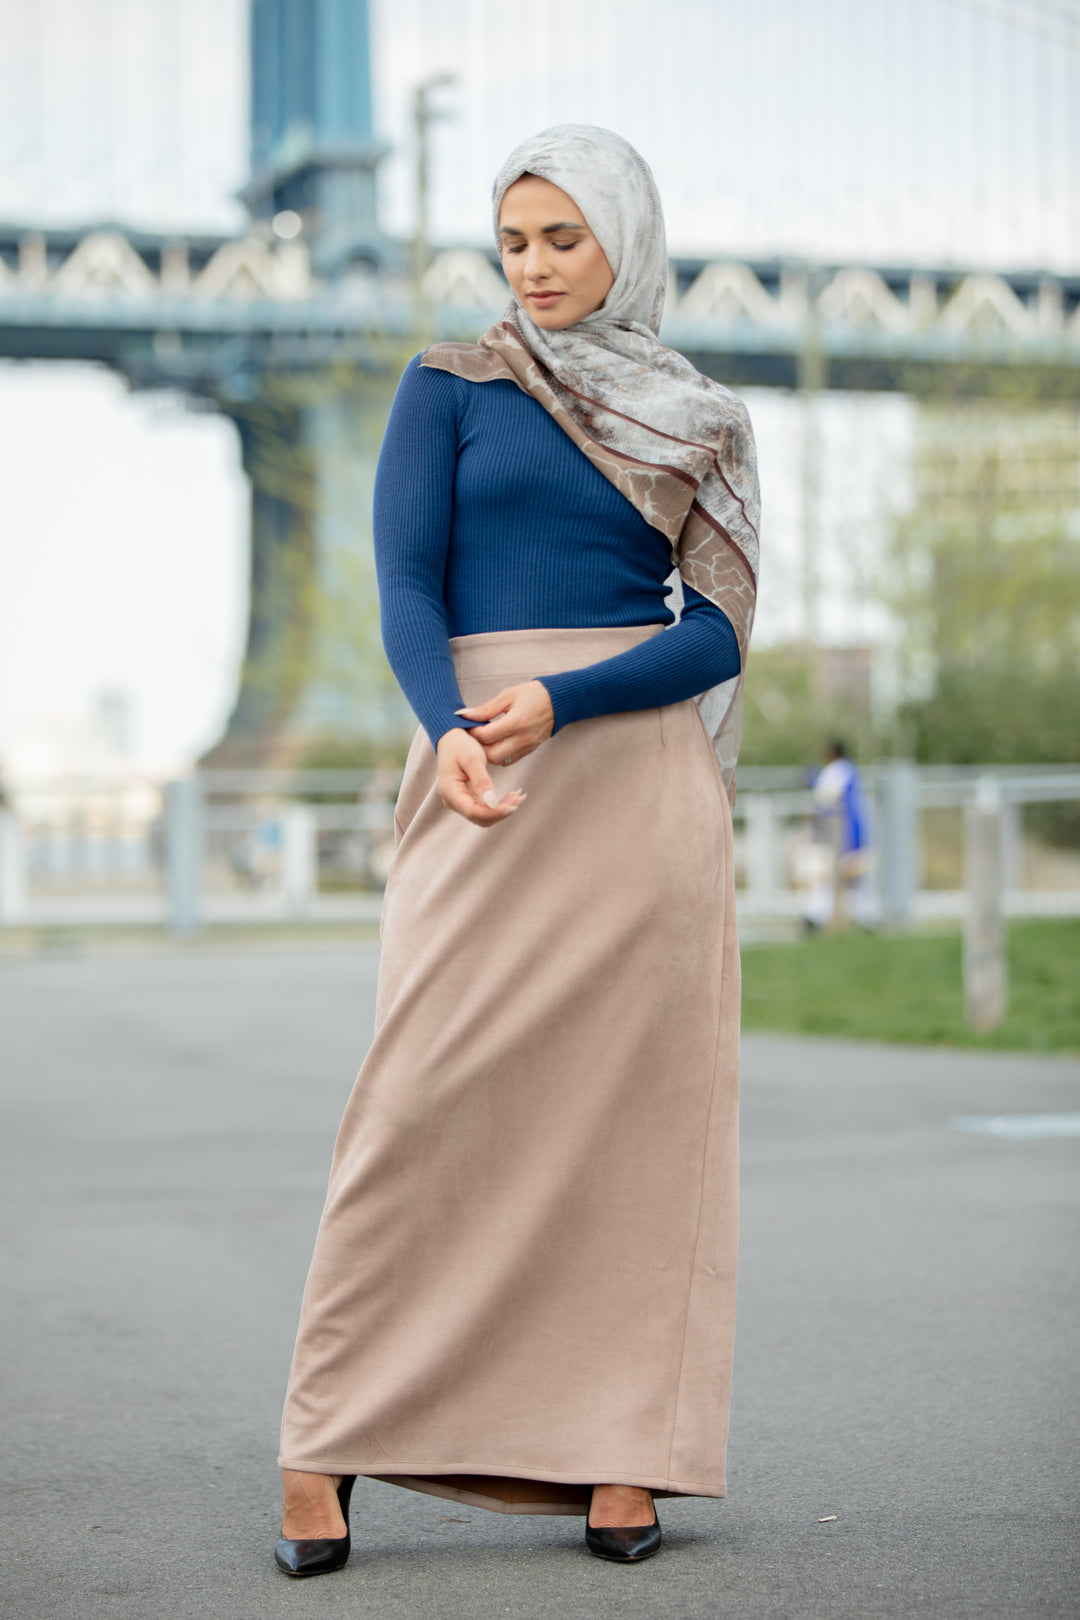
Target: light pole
{"points": [[811, 381], [424, 114]]}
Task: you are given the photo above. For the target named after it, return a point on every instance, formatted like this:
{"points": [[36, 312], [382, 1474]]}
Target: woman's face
{"points": [[550, 257]]}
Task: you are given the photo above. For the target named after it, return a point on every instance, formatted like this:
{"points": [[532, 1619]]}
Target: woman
{"points": [[522, 1294]]}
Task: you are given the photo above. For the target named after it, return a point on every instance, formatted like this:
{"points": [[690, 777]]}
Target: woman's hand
{"points": [[518, 720], [464, 783]]}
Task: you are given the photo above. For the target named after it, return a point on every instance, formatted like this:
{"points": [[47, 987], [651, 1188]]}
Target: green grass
{"points": [[908, 988]]}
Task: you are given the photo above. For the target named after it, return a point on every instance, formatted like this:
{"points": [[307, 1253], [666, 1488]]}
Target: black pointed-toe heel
{"points": [[624, 1543], [318, 1557]]}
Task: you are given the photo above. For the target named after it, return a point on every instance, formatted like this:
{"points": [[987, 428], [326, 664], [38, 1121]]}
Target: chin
{"points": [[550, 322]]}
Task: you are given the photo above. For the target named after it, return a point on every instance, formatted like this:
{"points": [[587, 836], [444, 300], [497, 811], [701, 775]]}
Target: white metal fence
{"points": [[916, 815], [274, 846]]}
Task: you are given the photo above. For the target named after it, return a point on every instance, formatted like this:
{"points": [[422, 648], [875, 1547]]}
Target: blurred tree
{"points": [[985, 582], [986, 585], [314, 676], [794, 702]]}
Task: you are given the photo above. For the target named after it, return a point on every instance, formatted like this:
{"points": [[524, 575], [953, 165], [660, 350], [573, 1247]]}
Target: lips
{"points": [[544, 299]]}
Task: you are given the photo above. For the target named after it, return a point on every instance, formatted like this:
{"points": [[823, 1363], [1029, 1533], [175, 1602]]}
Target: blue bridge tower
{"points": [[312, 147]]}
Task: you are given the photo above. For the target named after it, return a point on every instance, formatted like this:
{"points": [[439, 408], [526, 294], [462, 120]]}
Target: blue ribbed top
{"points": [[489, 517]]}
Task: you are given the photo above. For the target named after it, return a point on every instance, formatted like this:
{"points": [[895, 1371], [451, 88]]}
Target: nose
{"points": [[537, 266]]}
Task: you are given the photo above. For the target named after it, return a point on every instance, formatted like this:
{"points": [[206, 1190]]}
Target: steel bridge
{"points": [[210, 315]]}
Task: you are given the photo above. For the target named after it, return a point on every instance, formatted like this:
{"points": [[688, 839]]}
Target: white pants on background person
{"points": [[844, 891]]}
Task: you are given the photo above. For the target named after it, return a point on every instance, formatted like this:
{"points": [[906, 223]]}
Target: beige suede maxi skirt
{"points": [[524, 1276]]}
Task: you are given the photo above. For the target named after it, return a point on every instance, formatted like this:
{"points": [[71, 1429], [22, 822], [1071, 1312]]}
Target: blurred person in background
{"points": [[523, 1288], [842, 886]]}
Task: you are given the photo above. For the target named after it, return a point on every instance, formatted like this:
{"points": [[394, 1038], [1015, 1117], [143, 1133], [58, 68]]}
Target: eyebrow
{"points": [[548, 230]]}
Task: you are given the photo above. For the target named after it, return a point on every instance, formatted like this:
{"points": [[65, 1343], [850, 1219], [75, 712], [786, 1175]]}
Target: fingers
{"points": [[522, 719], [487, 711], [503, 741], [511, 725], [498, 733], [465, 785], [509, 750], [479, 783], [456, 795], [496, 730], [507, 738]]}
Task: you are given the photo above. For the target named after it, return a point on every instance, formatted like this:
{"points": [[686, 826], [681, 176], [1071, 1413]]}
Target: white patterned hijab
{"points": [[614, 188], [678, 445]]}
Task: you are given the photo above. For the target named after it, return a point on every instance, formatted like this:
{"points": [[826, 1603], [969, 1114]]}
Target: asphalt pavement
{"points": [[905, 1425]]}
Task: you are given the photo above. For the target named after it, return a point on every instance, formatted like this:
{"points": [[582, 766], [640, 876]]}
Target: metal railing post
{"points": [[299, 858], [184, 854], [897, 832], [763, 873], [12, 868], [1012, 846], [985, 968]]}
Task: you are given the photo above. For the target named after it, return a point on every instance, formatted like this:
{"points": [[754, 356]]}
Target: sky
{"points": [[905, 131], [884, 129]]}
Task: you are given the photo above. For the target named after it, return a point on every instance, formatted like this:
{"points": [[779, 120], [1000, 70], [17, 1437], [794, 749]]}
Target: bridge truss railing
{"points": [[199, 315]]}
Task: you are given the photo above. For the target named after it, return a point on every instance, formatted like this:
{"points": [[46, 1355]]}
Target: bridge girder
{"points": [[205, 315]]}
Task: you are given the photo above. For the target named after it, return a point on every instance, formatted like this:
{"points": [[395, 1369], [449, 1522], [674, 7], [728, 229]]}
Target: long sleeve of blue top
{"points": [[488, 517]]}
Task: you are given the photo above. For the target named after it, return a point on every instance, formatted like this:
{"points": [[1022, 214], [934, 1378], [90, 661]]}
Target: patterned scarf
{"points": [[678, 445]]}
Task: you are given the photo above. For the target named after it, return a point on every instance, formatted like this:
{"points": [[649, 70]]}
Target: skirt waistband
{"points": [[527, 653]]}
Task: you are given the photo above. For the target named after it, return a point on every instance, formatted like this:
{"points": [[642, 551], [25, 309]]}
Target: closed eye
{"points": [[560, 247]]}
